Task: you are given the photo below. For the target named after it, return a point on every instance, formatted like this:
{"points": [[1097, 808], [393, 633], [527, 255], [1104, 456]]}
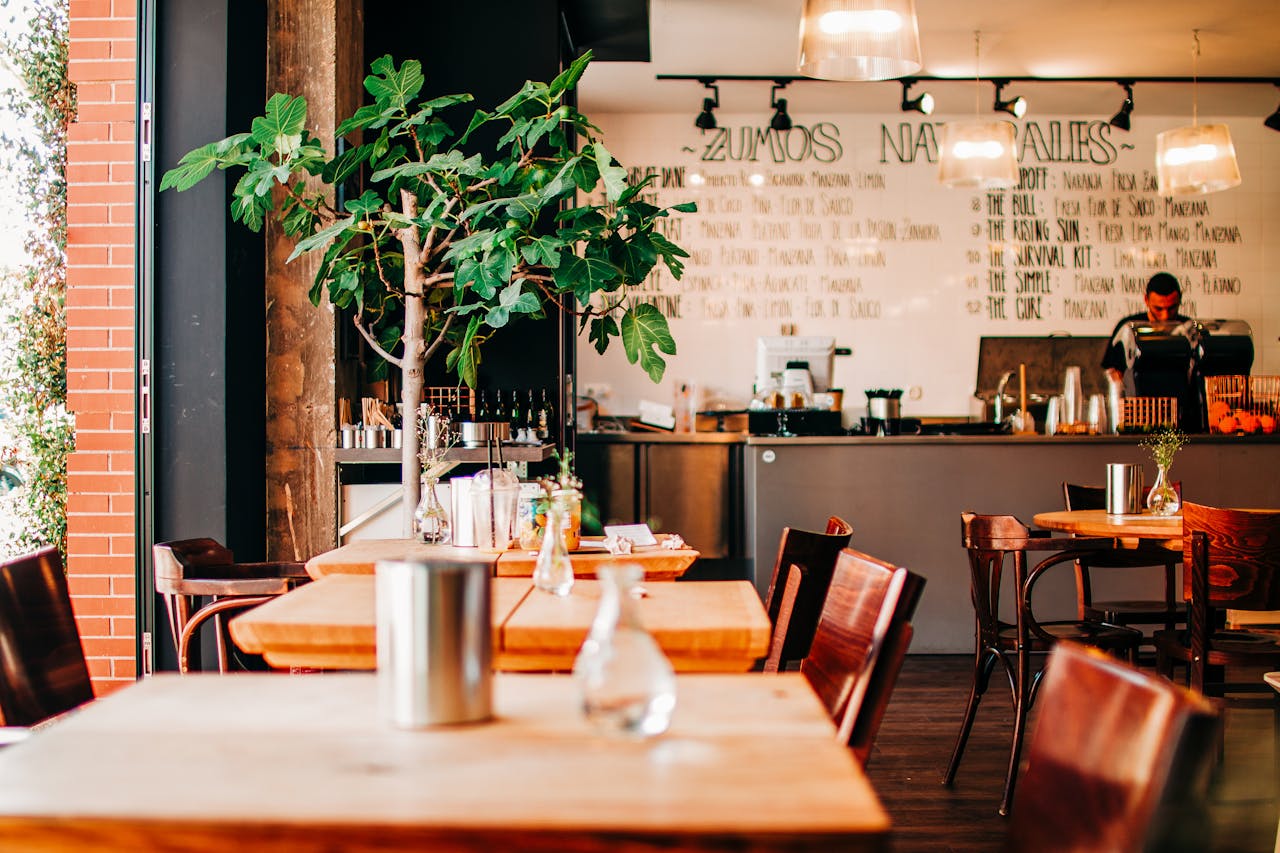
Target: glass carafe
{"points": [[553, 571], [628, 685], [1163, 498], [430, 518]]}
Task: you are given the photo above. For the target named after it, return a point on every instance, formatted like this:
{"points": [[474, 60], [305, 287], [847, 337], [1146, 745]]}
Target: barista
{"points": [[1163, 298]]}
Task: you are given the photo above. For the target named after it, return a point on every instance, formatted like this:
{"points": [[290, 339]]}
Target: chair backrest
{"points": [[42, 666], [861, 640], [815, 554], [1243, 568], [185, 558], [1118, 760]]}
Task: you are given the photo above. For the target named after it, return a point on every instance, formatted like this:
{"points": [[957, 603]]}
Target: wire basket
{"points": [[1242, 404], [1143, 414]]}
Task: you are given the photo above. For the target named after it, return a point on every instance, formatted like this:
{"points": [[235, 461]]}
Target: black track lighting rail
{"points": [[1000, 78]]}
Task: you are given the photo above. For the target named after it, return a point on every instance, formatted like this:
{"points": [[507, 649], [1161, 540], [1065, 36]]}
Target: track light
{"points": [[922, 104], [780, 120], [1273, 121], [1121, 119], [707, 119], [1016, 107]]}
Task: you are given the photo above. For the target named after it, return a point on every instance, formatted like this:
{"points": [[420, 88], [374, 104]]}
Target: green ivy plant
{"points": [[444, 244], [33, 390]]}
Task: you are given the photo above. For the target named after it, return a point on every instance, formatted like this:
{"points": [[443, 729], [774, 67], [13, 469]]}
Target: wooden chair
{"points": [[1166, 613], [815, 555], [861, 639], [1118, 760], [42, 667], [188, 570], [1232, 560], [990, 540]]}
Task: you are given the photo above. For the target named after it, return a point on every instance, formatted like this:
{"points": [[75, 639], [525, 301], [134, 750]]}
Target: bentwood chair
{"points": [[189, 570], [42, 667], [1119, 760], [815, 556], [860, 642], [1166, 612], [990, 541], [1232, 560]]}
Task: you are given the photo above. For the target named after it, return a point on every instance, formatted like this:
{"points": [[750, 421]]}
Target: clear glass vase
{"points": [[553, 571], [1163, 497], [628, 685], [430, 518]]}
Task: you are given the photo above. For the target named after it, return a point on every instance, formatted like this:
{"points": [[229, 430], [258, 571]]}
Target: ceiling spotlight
{"points": [[780, 120], [1121, 119], [1273, 121], [1016, 107], [922, 104], [707, 119]]}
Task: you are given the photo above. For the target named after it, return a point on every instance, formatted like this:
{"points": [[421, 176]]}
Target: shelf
{"points": [[392, 456]]}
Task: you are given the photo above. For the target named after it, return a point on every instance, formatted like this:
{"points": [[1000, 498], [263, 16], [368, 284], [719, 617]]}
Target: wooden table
{"points": [[270, 762], [359, 558], [1128, 529], [329, 623]]}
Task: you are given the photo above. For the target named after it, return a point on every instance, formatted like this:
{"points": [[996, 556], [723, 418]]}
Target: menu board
{"points": [[840, 227]]}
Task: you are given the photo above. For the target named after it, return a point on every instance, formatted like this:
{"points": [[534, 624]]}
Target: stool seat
{"points": [[188, 570]]}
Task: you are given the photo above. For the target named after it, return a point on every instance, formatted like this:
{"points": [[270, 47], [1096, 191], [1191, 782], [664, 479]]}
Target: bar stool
{"points": [[187, 570], [989, 540]]}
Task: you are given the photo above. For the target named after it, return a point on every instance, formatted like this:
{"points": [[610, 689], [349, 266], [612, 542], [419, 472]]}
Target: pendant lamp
{"points": [[859, 39], [1197, 158], [978, 154]]}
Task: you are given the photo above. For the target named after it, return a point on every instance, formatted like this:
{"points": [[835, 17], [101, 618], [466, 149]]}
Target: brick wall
{"points": [[100, 329]]}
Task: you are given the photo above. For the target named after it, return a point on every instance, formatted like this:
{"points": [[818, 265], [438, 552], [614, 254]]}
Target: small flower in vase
{"points": [[435, 438], [1163, 445]]}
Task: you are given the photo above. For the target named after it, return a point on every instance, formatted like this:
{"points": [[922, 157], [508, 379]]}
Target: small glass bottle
{"points": [[482, 407], [499, 413], [628, 685], [546, 417], [430, 518], [553, 571], [1163, 497]]}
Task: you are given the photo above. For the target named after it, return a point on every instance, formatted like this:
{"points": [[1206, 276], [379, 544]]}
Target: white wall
{"points": [[848, 237]]}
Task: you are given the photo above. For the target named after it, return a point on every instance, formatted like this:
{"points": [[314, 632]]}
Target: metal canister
{"points": [[434, 637], [1124, 488]]}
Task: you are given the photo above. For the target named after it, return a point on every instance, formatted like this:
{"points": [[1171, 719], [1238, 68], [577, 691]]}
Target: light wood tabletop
{"points": [[1129, 529], [270, 762], [360, 556], [329, 623]]}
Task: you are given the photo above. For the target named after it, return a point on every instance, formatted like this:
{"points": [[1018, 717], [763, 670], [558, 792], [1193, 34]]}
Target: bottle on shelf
{"points": [[482, 407], [546, 417], [516, 413], [499, 412]]}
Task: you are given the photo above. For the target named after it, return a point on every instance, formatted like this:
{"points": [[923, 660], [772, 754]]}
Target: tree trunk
{"points": [[412, 365]]}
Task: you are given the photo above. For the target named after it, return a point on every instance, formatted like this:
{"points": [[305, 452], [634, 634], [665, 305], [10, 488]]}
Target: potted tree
{"points": [[443, 245]]}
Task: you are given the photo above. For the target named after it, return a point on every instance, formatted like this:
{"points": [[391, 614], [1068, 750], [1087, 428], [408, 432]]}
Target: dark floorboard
{"points": [[918, 733]]}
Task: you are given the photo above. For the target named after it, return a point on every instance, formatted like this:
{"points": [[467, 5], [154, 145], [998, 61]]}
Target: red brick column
{"points": [[100, 330]]}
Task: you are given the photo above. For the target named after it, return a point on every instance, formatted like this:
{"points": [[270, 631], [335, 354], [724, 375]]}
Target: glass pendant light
{"points": [[859, 39], [978, 154], [1197, 158]]}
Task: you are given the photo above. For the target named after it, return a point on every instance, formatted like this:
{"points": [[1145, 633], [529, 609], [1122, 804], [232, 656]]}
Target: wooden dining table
{"points": [[270, 762], [1128, 530], [359, 557], [702, 626]]}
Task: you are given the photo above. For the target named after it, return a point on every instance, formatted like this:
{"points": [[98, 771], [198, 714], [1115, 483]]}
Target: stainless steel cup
{"points": [[1124, 488], [434, 638]]}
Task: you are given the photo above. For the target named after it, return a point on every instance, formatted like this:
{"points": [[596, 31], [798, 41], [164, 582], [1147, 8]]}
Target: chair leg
{"points": [[1021, 704], [984, 662]]}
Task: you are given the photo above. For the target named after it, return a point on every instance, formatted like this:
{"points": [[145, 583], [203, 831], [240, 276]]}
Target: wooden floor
{"points": [[919, 730]]}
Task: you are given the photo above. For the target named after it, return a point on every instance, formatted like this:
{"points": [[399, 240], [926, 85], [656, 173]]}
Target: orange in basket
{"points": [[1228, 425]]}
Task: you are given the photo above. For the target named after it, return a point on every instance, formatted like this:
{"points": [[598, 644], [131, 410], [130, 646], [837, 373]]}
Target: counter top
{"points": [[646, 437], [766, 440]]}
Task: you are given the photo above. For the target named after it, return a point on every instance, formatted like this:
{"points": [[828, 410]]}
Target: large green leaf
{"points": [[542, 251], [467, 359], [644, 328], [280, 127], [614, 177], [585, 276], [569, 77], [635, 256], [512, 300], [393, 88], [194, 167], [345, 164], [368, 202]]}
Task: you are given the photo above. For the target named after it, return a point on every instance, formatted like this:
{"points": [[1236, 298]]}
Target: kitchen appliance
{"points": [[775, 355], [1172, 359], [1046, 359], [884, 412]]}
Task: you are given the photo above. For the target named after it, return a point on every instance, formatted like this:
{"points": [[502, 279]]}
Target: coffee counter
{"points": [[904, 495]]}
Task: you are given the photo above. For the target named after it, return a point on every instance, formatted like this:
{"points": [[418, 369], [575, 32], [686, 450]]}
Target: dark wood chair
{"points": [[1167, 612], [190, 570], [42, 667], [1231, 559], [990, 541], [1118, 760], [815, 555], [860, 642]]}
